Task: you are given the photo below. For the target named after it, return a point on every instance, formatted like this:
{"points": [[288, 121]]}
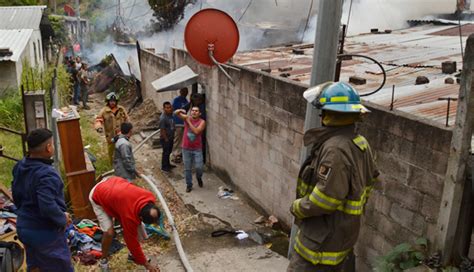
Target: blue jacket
{"points": [[179, 102], [38, 194]]}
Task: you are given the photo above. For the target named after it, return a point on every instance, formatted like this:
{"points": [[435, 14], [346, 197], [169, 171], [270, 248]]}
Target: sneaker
{"points": [[86, 107], [189, 189], [104, 265], [200, 182], [166, 170], [172, 166]]}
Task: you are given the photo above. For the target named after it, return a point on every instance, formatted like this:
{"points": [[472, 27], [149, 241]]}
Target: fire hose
{"points": [[151, 182]]}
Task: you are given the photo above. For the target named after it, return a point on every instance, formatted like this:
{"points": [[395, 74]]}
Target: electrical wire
{"points": [[374, 61], [245, 11], [348, 19], [307, 20], [460, 37]]}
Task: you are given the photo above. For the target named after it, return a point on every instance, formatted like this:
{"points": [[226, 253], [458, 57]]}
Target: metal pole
{"points": [[78, 15], [393, 97], [324, 67], [54, 127]]}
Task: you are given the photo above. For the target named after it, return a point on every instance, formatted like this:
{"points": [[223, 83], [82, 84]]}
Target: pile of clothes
{"points": [[7, 215], [84, 239]]}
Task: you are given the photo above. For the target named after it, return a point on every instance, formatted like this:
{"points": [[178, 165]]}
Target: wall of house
{"points": [[255, 130], [8, 75], [35, 45]]}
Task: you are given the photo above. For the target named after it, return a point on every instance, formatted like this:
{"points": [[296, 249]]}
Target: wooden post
{"points": [[458, 160]]}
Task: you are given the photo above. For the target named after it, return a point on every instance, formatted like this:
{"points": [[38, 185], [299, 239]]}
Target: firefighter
{"points": [[109, 119], [333, 184]]}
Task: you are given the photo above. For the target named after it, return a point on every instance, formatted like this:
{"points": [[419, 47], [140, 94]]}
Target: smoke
{"points": [[262, 23]]}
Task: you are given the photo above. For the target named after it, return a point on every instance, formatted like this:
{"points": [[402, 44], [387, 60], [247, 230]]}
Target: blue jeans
{"points": [[190, 157]]}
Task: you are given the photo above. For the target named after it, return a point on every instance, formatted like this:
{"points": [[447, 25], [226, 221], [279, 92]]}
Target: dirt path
{"points": [[196, 215]]}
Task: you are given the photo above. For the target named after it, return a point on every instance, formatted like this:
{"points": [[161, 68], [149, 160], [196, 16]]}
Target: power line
{"points": [[245, 11]]}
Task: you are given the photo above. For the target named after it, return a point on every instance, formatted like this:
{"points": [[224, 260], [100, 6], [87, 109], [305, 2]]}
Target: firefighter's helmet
{"points": [[335, 96], [111, 96]]}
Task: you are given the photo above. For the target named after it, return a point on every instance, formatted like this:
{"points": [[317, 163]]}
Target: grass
{"points": [[98, 146], [12, 147]]}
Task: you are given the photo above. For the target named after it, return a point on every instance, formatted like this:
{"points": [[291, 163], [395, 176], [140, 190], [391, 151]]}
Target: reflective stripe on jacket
{"points": [[111, 121], [333, 186]]}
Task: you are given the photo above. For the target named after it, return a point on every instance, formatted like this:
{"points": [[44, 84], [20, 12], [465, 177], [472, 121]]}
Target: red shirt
{"points": [[191, 141], [123, 201]]}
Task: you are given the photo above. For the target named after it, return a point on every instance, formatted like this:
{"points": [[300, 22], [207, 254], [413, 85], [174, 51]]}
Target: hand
{"points": [[68, 218], [151, 268], [100, 130]]}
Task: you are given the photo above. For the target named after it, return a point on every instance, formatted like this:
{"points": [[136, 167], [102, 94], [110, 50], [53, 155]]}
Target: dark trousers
{"points": [[84, 95], [167, 149]]}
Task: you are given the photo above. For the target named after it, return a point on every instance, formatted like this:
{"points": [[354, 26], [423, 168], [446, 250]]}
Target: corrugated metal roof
{"points": [[404, 54], [21, 17], [15, 40]]}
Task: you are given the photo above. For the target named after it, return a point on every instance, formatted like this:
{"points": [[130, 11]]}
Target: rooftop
{"points": [[13, 42], [21, 17], [404, 54]]}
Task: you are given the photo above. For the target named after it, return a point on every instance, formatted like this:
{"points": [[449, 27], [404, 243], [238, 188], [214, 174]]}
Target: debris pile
{"points": [[7, 215]]}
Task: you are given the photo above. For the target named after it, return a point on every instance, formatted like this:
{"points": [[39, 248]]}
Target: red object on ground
{"points": [[211, 26], [69, 10]]}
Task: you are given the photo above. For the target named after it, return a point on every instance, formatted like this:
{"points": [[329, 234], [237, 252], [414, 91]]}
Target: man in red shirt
{"points": [[115, 197]]}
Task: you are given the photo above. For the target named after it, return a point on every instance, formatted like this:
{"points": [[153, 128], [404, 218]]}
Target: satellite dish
{"points": [[211, 33]]}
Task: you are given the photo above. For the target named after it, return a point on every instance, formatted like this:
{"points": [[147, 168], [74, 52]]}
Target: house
{"points": [[23, 31]]}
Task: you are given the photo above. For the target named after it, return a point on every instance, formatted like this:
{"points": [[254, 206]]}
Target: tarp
{"points": [[175, 80]]}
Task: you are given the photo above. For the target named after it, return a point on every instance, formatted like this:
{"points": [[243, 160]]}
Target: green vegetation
{"points": [[11, 111], [403, 256], [60, 32], [97, 144]]}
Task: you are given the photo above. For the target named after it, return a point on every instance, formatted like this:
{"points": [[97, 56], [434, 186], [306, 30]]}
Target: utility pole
{"points": [[78, 28], [324, 67], [455, 177]]}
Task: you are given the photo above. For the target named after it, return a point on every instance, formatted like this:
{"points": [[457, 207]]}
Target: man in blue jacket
{"points": [[42, 218]]}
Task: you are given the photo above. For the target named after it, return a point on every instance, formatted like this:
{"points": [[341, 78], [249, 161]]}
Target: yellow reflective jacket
{"points": [[111, 121], [333, 186]]}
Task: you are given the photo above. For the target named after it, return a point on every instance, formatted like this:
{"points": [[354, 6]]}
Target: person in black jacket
{"points": [[42, 218]]}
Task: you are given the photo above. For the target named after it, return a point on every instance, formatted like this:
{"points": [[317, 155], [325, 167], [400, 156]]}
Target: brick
{"points": [[425, 181], [430, 208], [403, 194]]}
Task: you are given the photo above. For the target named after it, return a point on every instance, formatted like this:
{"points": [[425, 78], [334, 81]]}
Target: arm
{"points": [[331, 190], [127, 155], [163, 134], [46, 190], [130, 235], [181, 114], [99, 121], [199, 129]]}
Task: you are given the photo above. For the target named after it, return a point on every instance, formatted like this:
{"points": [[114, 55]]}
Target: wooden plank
{"points": [[458, 160]]}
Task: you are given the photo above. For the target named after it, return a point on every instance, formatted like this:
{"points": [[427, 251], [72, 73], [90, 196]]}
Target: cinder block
{"points": [[297, 124], [401, 215], [425, 181], [448, 67], [380, 202], [430, 208], [390, 165], [401, 193]]}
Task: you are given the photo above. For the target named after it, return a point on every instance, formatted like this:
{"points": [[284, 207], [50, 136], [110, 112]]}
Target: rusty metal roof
{"points": [[404, 54]]}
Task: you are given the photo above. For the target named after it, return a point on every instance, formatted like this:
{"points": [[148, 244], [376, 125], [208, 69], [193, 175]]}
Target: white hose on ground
{"points": [[151, 182], [134, 150], [144, 141]]}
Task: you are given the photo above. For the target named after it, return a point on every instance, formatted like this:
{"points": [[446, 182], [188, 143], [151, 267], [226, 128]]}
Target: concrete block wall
{"points": [[255, 131], [412, 156], [153, 67]]}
